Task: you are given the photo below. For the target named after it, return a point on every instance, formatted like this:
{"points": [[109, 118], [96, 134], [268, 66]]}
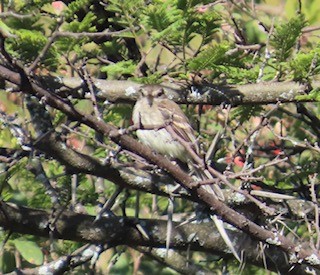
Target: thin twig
{"points": [[316, 208], [105, 33], [45, 49], [218, 175], [257, 169], [15, 15]]}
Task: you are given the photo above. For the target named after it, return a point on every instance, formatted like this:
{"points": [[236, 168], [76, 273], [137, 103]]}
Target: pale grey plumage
{"points": [[165, 128], [154, 110], [156, 116]]}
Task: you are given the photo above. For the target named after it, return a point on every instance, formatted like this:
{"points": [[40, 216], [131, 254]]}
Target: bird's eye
{"points": [[159, 92], [142, 92]]}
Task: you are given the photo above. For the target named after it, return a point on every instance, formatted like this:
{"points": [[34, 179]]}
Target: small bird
{"points": [[155, 113], [165, 128]]}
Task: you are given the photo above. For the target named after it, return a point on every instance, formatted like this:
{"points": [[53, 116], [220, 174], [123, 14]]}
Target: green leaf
{"points": [[5, 30], [28, 43], [243, 113], [7, 262], [209, 58], [313, 95], [120, 68], [29, 250], [75, 6], [305, 65], [285, 37], [85, 25], [166, 21]]}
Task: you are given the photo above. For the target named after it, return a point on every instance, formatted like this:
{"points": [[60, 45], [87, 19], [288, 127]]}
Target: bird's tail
{"points": [[207, 181]]}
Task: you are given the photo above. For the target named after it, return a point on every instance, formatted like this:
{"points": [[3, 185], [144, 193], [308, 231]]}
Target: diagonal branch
{"points": [[126, 91], [259, 93]]}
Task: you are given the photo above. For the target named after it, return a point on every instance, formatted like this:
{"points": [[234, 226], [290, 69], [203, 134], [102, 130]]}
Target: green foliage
{"points": [[6, 138], [167, 22], [307, 166], [310, 9], [86, 191], [111, 47], [29, 44], [313, 95], [37, 3], [31, 192], [127, 13], [77, 45], [7, 262], [210, 58], [118, 115], [219, 61], [244, 113], [177, 22], [285, 37], [306, 65], [85, 25], [253, 33], [122, 68], [154, 78], [6, 31], [240, 74], [168, 40], [75, 6], [29, 250], [205, 24]]}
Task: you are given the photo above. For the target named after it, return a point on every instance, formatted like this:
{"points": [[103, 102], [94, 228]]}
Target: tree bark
{"points": [[114, 231]]}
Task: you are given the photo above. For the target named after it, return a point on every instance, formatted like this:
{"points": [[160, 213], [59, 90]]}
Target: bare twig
{"points": [[314, 199], [15, 15]]}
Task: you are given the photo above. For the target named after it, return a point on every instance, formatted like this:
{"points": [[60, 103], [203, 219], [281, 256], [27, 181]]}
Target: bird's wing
{"points": [[179, 122]]}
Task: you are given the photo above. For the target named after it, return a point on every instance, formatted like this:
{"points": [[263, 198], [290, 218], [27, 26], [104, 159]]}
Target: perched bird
{"points": [[155, 114], [165, 128]]}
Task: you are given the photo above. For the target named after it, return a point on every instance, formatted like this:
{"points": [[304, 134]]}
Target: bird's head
{"points": [[151, 92]]}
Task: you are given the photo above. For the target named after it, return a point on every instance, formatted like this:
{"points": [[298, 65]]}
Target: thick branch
{"points": [[124, 231], [76, 162], [145, 181], [125, 91]]}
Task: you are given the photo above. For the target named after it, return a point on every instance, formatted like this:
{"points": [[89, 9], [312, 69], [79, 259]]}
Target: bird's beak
{"points": [[150, 100]]}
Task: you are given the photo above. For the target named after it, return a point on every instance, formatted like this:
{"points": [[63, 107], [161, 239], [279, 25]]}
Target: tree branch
{"points": [[125, 91], [260, 93], [115, 231]]}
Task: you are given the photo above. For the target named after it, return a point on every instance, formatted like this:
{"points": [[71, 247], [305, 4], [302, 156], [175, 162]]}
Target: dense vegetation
{"points": [[80, 194]]}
